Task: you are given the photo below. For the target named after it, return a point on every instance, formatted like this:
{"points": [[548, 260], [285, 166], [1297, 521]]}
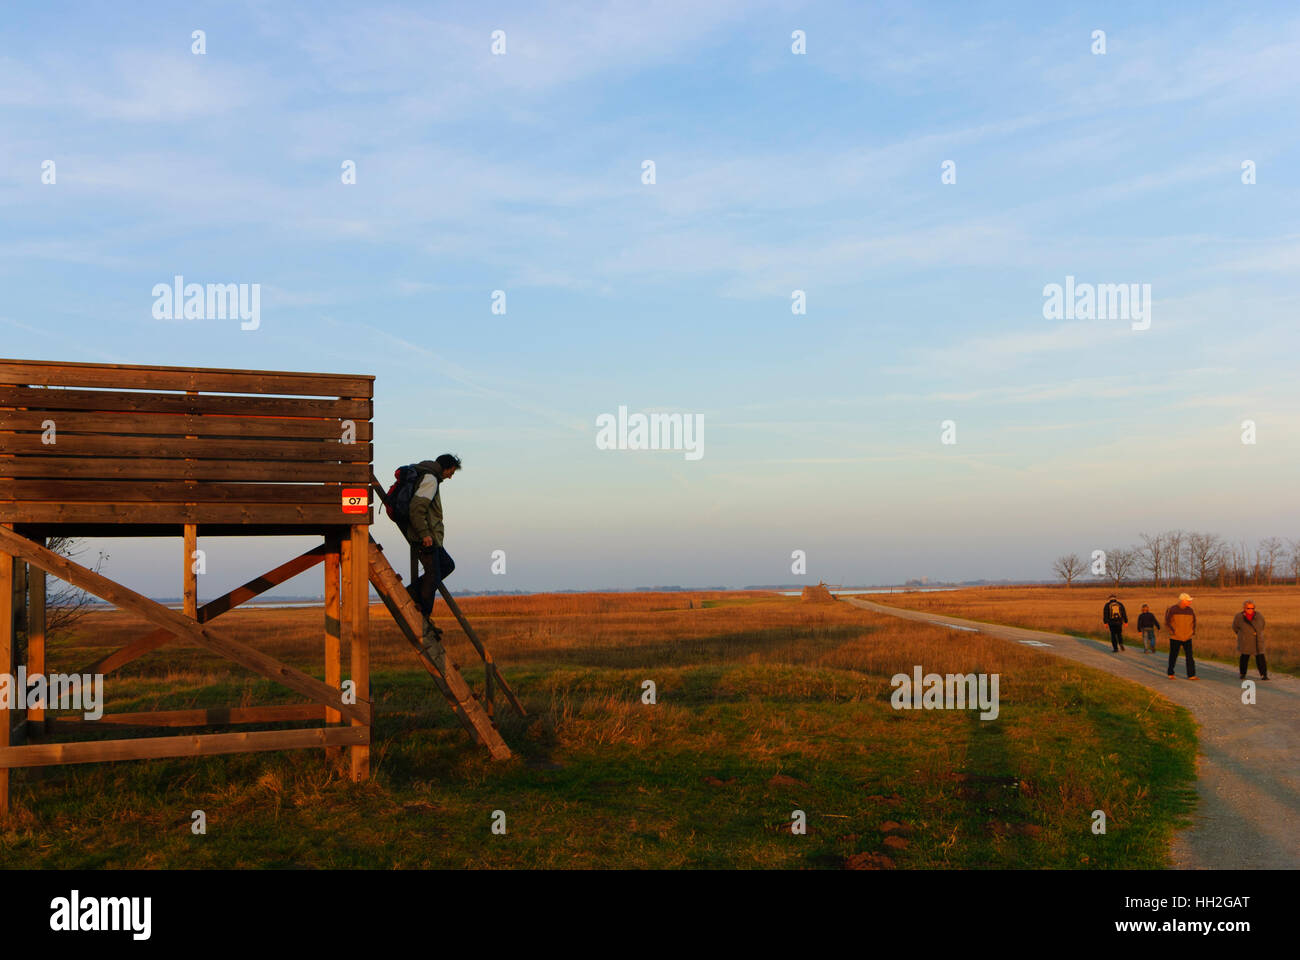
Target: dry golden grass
{"points": [[1077, 610], [765, 704]]}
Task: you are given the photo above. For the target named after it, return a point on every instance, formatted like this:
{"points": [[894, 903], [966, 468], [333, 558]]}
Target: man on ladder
{"points": [[424, 530]]}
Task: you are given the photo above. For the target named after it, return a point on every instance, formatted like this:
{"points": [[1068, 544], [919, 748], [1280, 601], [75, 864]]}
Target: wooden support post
{"points": [[360, 647], [20, 596], [36, 641], [191, 578], [6, 656], [333, 636]]}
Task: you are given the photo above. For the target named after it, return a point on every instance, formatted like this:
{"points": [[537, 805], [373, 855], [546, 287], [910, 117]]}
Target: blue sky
{"points": [[775, 172]]}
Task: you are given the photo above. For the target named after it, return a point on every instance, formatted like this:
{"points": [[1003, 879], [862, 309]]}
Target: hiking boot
{"points": [[1193, 678], [1263, 678], [1172, 677]]}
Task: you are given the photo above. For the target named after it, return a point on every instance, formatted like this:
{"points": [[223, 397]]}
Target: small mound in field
{"points": [[817, 594], [868, 861], [781, 780]]}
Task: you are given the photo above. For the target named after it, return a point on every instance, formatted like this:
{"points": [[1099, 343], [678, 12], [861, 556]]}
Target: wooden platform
{"points": [[90, 449]]}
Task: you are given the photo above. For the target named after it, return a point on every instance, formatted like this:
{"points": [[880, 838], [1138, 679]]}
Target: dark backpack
{"points": [[1112, 610], [398, 501]]}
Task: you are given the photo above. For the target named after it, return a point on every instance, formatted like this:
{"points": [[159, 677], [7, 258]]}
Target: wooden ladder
{"points": [[433, 655]]}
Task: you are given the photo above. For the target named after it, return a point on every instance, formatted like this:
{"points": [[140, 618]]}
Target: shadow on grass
{"points": [[708, 649]]}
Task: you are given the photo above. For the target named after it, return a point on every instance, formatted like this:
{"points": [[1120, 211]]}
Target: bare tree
{"points": [[1069, 567], [64, 603], [1295, 560], [1202, 551], [1151, 555], [1271, 550], [1120, 563], [1175, 541]]}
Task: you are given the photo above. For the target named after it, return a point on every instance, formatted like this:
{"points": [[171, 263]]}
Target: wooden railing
{"points": [[87, 444]]}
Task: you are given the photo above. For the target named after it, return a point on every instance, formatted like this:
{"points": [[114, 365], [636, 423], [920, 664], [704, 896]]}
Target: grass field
{"points": [[1077, 611], [765, 705]]}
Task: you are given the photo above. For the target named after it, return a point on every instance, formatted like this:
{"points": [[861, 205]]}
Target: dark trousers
{"points": [[438, 565], [1173, 656], [1259, 662], [1116, 635]]}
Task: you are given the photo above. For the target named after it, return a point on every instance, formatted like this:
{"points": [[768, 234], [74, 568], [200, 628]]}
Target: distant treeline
{"points": [[1186, 557]]}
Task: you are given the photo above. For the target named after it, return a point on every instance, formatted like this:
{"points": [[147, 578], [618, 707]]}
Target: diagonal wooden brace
{"points": [[214, 608], [184, 627]]}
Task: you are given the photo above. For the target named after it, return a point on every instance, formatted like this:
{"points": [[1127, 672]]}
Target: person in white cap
{"points": [[1181, 621]]}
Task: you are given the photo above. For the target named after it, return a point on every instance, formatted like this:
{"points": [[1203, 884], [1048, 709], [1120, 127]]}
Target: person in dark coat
{"points": [[1115, 616], [1249, 628], [1147, 625], [424, 531]]}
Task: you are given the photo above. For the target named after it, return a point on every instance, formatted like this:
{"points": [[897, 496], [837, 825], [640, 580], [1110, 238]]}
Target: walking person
{"points": [[1115, 616], [1181, 621], [1249, 627], [424, 529], [1147, 626]]}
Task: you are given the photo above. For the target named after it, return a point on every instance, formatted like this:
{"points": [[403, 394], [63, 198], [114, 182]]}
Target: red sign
{"points": [[356, 499]]}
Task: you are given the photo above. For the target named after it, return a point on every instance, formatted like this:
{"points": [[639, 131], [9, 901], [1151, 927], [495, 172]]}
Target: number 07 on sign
{"points": [[356, 499]]}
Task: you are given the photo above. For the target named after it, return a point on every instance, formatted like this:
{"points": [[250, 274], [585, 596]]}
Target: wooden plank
{"points": [[133, 468], [178, 623], [56, 398], [198, 745], [6, 654], [211, 716], [174, 491], [210, 610], [491, 671], [36, 642], [164, 448], [204, 379], [190, 578], [333, 636], [489, 664], [433, 654], [28, 511], [173, 424], [359, 648]]}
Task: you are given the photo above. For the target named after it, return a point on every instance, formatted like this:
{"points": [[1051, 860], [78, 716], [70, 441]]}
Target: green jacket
{"points": [[426, 506]]}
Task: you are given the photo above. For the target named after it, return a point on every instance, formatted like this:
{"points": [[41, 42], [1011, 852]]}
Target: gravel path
{"points": [[1248, 764]]}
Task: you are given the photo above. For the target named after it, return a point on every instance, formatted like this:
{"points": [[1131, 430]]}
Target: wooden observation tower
{"points": [[108, 450]]}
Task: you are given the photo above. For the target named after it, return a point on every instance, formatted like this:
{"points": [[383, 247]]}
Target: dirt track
{"points": [[1249, 760]]}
